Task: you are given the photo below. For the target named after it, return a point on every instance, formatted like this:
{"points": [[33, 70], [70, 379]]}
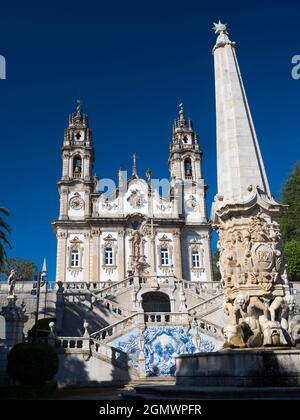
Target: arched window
{"points": [[75, 258], [188, 173], [156, 302], [164, 256], [77, 167], [108, 256], [185, 139]]}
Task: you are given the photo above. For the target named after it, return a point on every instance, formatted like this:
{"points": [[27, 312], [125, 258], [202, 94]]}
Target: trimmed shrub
{"points": [[43, 328], [32, 363]]}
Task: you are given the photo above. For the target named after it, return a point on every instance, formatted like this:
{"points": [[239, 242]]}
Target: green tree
{"points": [[292, 252], [215, 268], [290, 193], [26, 270], [4, 228], [290, 222]]}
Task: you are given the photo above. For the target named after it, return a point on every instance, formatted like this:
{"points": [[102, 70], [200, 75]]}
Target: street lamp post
{"points": [[41, 279]]}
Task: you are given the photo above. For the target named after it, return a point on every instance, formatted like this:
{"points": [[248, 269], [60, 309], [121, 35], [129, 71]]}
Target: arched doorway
{"points": [[156, 302]]}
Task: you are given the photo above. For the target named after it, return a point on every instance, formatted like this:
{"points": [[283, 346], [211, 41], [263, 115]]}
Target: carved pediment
{"points": [[75, 240], [164, 238], [109, 238]]}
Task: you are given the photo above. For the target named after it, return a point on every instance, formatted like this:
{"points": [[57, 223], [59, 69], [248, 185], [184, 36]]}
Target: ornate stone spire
{"points": [[134, 169], [181, 120], [44, 267], [78, 118], [240, 164]]}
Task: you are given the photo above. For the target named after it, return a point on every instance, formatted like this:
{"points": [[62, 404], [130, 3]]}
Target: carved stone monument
{"points": [[260, 332], [244, 213]]}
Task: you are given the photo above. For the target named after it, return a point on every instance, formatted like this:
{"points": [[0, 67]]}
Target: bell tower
{"points": [[77, 162], [185, 154], [77, 150]]}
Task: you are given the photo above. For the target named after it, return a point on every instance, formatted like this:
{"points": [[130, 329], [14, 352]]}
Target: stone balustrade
{"points": [[173, 318], [115, 287], [115, 356], [27, 286], [161, 280], [210, 329], [103, 289], [203, 308], [70, 286], [140, 318], [119, 327], [100, 288], [70, 344], [202, 289], [116, 309]]}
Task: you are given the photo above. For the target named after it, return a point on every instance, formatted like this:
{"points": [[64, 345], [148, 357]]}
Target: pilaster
{"points": [[177, 254], [95, 255], [86, 258], [61, 255], [121, 254]]}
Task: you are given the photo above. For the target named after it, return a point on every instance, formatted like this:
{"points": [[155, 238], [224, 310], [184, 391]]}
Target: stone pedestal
{"points": [[15, 319], [240, 368]]}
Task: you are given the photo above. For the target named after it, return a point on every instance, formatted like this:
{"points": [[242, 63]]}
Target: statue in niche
{"points": [[137, 263]]}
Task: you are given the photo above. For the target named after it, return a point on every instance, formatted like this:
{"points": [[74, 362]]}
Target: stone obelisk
{"points": [[244, 213]]}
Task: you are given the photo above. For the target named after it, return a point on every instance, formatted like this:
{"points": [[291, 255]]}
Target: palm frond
{"points": [[4, 239], [4, 225], [4, 211]]}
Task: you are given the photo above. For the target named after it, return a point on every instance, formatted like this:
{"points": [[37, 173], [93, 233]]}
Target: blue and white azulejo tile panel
{"points": [[162, 345]]}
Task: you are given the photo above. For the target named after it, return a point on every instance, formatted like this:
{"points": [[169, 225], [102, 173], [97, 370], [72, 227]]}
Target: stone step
{"points": [[173, 392], [154, 380]]}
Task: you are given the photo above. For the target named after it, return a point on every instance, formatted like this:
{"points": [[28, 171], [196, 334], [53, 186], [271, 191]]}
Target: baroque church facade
{"points": [[133, 229], [133, 262]]}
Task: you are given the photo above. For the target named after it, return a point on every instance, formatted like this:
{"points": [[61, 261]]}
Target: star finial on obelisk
{"points": [[221, 30], [220, 27]]}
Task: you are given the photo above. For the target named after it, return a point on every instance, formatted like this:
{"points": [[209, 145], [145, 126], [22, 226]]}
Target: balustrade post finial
{"points": [[52, 334], [85, 326]]}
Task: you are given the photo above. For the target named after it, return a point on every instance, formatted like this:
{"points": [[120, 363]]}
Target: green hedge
{"points": [[32, 363]]}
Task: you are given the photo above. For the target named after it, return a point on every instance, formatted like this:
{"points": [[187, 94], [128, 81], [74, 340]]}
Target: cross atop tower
{"points": [[134, 169], [78, 118]]}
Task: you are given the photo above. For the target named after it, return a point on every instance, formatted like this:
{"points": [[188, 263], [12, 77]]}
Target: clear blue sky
{"points": [[131, 62]]}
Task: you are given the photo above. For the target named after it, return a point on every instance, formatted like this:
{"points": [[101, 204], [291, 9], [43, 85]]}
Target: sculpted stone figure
{"points": [[137, 262], [11, 281]]}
